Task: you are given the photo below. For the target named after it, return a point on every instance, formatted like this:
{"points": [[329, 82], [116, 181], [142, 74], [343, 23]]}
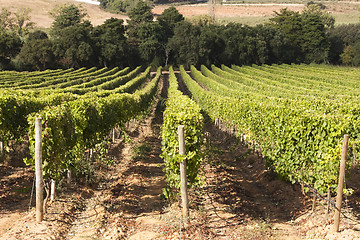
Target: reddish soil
{"points": [[240, 197], [229, 10], [254, 10], [40, 10]]}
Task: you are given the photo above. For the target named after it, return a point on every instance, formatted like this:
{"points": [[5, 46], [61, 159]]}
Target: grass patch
{"points": [[248, 20], [346, 18], [140, 151]]}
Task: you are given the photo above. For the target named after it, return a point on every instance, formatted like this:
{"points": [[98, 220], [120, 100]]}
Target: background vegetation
{"points": [[73, 42]]}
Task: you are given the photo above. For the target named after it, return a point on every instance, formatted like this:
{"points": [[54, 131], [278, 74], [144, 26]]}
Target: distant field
{"points": [[41, 8], [250, 12]]}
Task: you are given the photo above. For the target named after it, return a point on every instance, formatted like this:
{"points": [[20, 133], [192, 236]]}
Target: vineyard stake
{"points": [[184, 194], [328, 203], [314, 202], [52, 189], [68, 179], [341, 183], [1, 149], [39, 171]]}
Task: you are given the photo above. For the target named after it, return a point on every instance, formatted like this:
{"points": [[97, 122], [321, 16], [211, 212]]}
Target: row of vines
{"points": [[78, 108], [296, 115]]}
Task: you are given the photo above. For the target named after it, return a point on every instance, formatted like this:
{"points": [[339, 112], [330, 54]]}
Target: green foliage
{"points": [[72, 36], [118, 6], [37, 54], [66, 15], [301, 139], [351, 55], [111, 43], [71, 124], [181, 110], [10, 45], [305, 34]]}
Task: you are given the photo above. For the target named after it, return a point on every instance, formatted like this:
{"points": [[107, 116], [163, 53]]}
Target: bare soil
{"points": [[40, 10], [240, 197]]}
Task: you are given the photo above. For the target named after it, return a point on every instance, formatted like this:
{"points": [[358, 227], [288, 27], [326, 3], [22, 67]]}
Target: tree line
{"points": [[73, 42]]}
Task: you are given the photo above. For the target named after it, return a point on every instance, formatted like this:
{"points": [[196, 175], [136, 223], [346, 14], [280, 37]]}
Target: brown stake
{"points": [[328, 203], [314, 202], [52, 189], [68, 179], [1, 148], [341, 183], [39, 171], [183, 189]]}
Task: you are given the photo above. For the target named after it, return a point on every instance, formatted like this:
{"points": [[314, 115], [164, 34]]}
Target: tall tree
{"points": [[10, 45], [37, 52], [111, 44], [73, 45], [168, 19], [306, 35], [141, 13]]}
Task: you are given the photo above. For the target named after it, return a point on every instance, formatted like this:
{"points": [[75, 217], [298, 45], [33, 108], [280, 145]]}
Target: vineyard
{"points": [[293, 116]]}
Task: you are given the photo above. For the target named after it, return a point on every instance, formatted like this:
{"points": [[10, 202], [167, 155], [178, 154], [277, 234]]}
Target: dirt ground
{"points": [[240, 198], [40, 10]]}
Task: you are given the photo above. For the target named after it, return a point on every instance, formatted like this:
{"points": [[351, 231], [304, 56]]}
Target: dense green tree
{"points": [[195, 45], [184, 45], [146, 36], [305, 34], [340, 37], [118, 6], [73, 45], [66, 16], [140, 14], [152, 40], [168, 19], [111, 45], [37, 52], [314, 45], [10, 45], [318, 10], [290, 23]]}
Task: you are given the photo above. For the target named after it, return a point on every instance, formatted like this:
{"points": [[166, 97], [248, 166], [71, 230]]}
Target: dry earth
{"points": [[240, 198], [41, 8]]}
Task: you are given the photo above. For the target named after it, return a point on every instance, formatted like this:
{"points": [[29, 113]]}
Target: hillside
{"points": [[251, 14], [40, 10]]}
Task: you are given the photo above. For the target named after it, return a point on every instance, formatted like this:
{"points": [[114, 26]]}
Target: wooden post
{"points": [[328, 203], [52, 190], [113, 135], [314, 202], [39, 171], [1, 150], [68, 180], [184, 193], [341, 183]]}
